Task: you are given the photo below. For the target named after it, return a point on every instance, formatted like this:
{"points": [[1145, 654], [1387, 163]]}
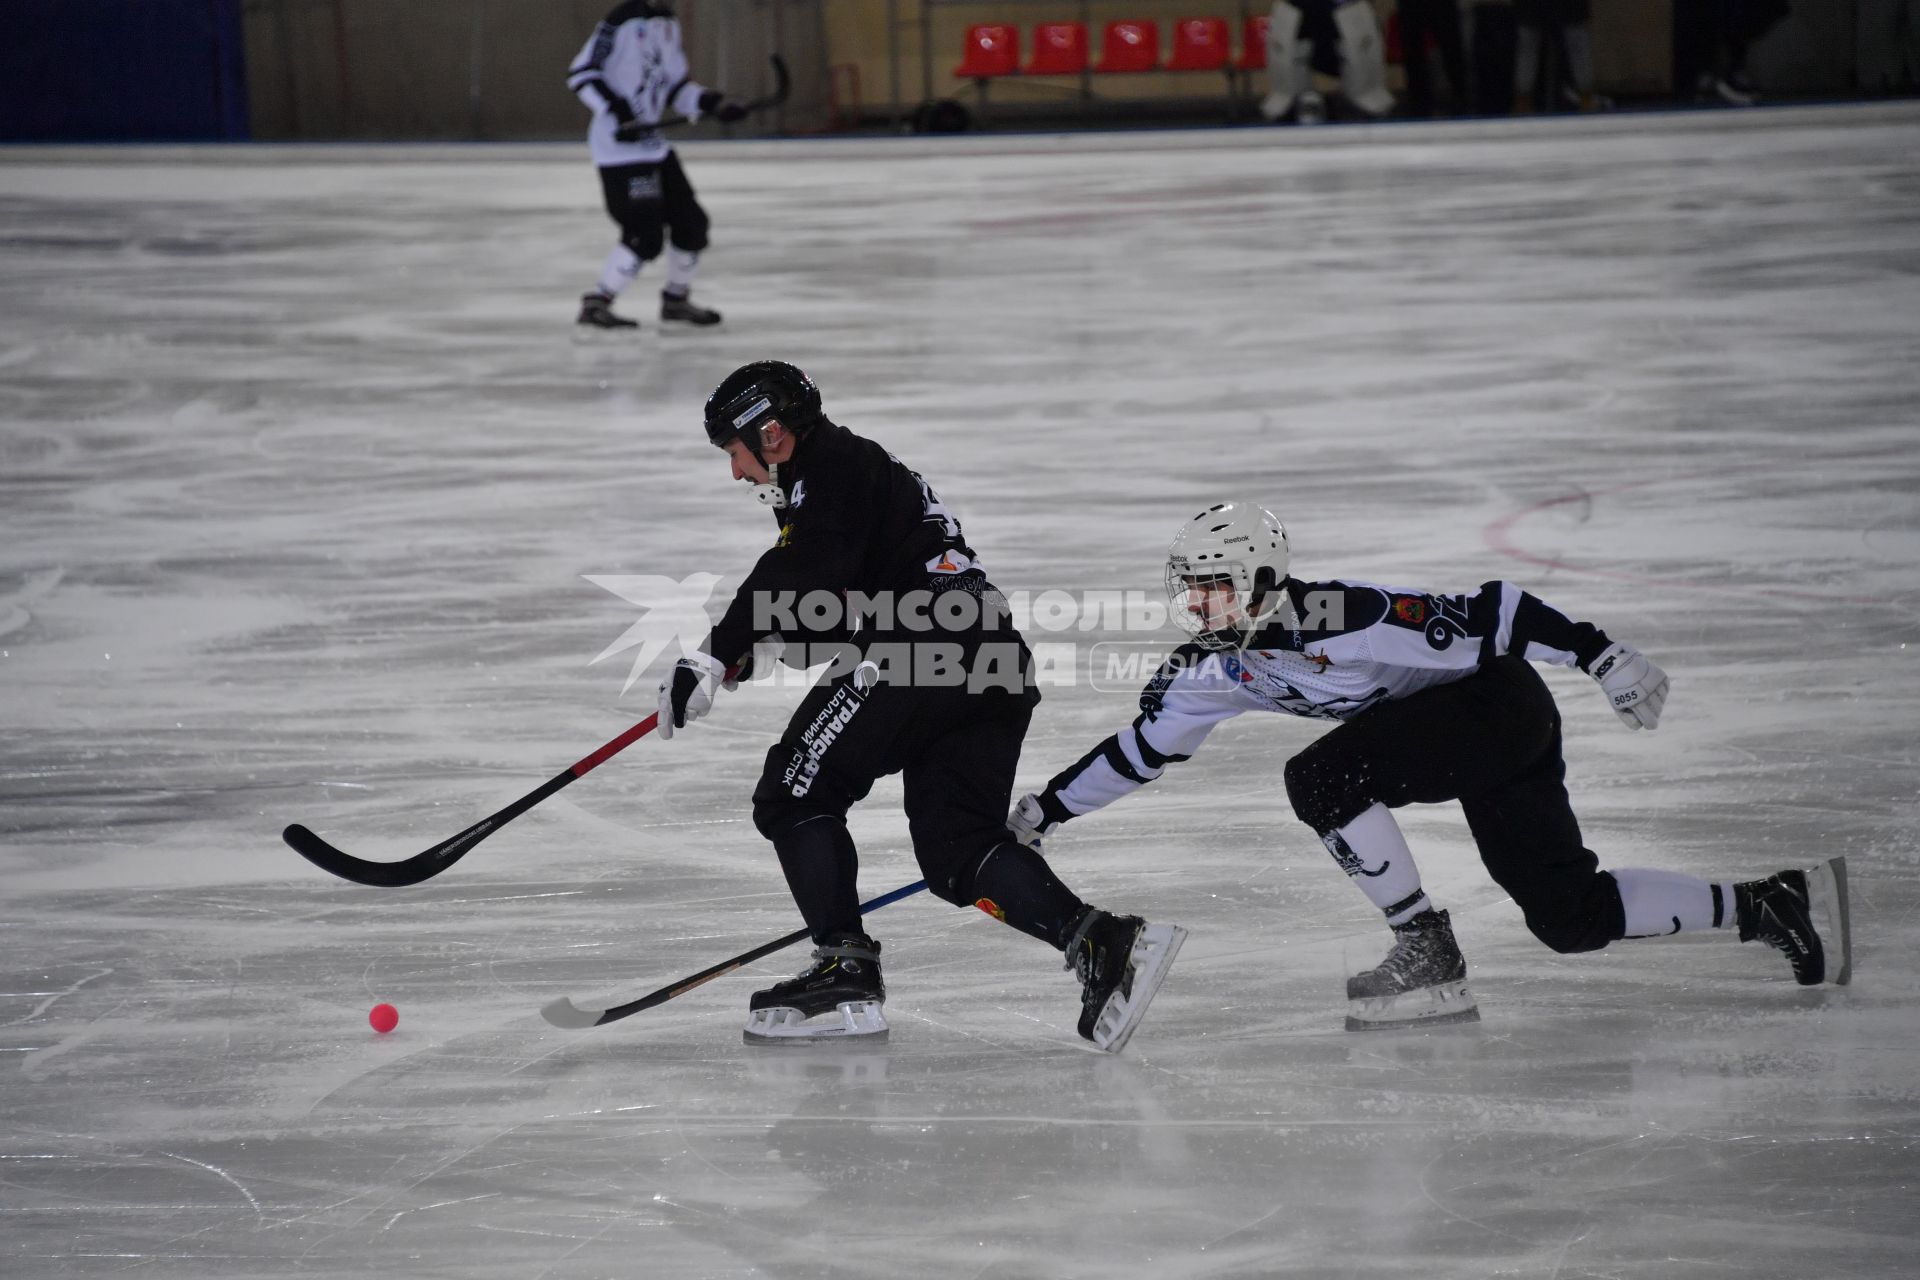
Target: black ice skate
{"points": [[1120, 961], [1422, 982], [682, 308], [1803, 913], [596, 311], [844, 979]]}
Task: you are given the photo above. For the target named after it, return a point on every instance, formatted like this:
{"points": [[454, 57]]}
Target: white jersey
{"points": [[633, 68], [1346, 647]]}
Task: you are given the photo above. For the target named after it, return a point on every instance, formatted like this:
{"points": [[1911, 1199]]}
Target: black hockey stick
{"points": [[782, 86], [565, 1013], [431, 862]]}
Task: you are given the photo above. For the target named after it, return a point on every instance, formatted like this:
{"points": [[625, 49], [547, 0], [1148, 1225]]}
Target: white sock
{"points": [[1659, 903], [622, 265], [680, 266], [1371, 850]]}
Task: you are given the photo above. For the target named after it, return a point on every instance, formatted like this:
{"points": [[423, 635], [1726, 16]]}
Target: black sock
{"points": [[821, 866], [1015, 884]]}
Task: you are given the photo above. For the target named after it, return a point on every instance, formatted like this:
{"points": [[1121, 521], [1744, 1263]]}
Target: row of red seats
{"points": [[1060, 48]]}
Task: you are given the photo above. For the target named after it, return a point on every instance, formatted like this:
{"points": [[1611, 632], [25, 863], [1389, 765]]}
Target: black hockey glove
{"points": [[714, 103], [631, 130]]}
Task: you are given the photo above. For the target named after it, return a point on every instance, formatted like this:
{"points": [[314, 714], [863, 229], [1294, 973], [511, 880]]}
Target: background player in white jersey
{"points": [[1438, 702], [632, 73]]}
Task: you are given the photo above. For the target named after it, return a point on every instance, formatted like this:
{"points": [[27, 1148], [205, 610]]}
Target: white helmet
{"points": [[1237, 544]]}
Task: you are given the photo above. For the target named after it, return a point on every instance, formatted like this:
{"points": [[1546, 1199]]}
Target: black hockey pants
{"points": [[956, 752], [1492, 742], [648, 200]]}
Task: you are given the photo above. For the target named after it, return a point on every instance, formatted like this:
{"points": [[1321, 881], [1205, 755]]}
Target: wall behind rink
{"points": [[496, 69], [492, 69], [1632, 43]]}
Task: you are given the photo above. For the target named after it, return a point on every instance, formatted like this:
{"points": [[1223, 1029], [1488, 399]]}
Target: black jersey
{"points": [[862, 529]]}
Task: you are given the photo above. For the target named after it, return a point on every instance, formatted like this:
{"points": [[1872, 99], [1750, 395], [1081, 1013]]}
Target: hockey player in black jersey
{"points": [[1437, 702], [928, 678], [630, 74]]}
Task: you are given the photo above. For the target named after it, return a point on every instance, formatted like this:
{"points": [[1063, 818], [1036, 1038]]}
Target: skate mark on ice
{"points": [[259, 1215], [46, 1004], [438, 1204], [14, 614]]}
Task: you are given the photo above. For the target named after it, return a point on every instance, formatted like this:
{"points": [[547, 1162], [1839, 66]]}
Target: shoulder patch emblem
{"points": [[1410, 610], [786, 535]]}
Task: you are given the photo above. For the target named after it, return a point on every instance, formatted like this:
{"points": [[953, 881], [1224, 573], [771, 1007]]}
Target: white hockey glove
{"points": [[1029, 822], [1636, 688], [687, 692]]}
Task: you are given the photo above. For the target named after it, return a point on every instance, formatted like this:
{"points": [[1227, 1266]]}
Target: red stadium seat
{"points": [[990, 50], [1199, 44], [1129, 46], [1059, 49], [1253, 44]]}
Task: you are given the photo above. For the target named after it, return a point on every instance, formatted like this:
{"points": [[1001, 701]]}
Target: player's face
{"points": [[1213, 602], [776, 446], [745, 465]]}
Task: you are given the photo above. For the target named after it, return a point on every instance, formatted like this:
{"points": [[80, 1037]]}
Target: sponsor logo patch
{"points": [[1410, 610], [758, 407], [992, 908]]}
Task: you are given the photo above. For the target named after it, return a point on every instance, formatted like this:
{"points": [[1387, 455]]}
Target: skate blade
{"points": [[1827, 903], [1152, 955], [859, 1020], [1428, 1007]]}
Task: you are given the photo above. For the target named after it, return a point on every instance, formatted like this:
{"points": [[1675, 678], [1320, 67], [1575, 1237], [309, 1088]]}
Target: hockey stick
{"points": [[431, 862], [782, 86], [565, 1013]]}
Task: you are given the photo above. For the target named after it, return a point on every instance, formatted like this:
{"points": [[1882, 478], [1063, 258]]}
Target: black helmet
{"points": [[755, 393]]}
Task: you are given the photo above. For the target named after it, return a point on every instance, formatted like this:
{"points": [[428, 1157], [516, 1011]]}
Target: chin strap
{"points": [[771, 494]]}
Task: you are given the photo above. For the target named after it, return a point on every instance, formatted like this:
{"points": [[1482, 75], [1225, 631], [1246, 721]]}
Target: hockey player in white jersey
{"points": [[1437, 702], [632, 74]]}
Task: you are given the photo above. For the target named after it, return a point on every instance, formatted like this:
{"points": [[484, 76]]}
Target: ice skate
{"points": [[682, 309], [596, 311], [1422, 982], [1120, 961], [843, 980], [1803, 913]]}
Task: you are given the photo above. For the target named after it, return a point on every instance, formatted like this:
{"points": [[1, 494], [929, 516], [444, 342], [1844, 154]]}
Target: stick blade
{"points": [[381, 875], [564, 1013]]}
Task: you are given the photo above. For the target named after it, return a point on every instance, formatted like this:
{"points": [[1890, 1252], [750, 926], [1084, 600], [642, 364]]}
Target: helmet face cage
{"points": [[1183, 583], [1222, 546]]}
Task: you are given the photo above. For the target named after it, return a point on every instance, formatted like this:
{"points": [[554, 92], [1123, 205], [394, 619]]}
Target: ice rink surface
{"points": [[302, 470]]}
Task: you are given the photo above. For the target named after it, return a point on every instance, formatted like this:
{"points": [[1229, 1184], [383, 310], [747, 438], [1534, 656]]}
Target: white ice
{"points": [[303, 470]]}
